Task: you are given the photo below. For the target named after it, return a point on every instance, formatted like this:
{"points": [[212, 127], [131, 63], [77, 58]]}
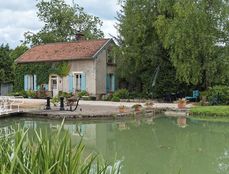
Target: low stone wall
{"points": [[56, 114]]}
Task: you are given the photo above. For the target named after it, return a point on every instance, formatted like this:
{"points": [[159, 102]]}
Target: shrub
{"points": [[121, 94], [55, 100], [115, 99], [31, 94], [15, 94], [218, 95], [83, 93], [42, 94], [64, 94], [136, 95], [107, 97], [20, 93]]}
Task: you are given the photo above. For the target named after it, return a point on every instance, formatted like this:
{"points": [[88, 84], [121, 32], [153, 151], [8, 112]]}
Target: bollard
{"points": [[48, 104], [61, 103]]}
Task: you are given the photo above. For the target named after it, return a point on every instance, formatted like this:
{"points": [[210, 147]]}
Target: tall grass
{"points": [[45, 154]]}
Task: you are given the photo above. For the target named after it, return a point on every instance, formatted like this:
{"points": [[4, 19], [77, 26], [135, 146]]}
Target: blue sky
{"points": [[19, 16]]}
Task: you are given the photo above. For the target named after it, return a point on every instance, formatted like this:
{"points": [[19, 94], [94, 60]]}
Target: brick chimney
{"points": [[79, 36]]}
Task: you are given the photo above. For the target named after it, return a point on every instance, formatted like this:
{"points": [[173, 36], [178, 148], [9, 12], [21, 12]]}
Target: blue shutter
{"points": [[26, 82], [70, 83], [83, 82], [46, 86], [108, 83], [35, 82], [113, 82]]}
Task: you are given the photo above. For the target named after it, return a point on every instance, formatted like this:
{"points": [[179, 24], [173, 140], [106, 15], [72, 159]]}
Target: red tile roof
{"points": [[84, 49]]}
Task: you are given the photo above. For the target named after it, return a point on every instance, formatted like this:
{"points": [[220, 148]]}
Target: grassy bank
{"points": [[211, 113], [210, 110]]}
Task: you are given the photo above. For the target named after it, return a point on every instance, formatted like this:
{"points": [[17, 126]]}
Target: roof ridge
{"points": [[71, 42]]}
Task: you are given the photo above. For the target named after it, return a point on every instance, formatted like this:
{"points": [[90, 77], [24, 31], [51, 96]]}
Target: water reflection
{"points": [[122, 126], [223, 163], [182, 121], [6, 131], [148, 145]]}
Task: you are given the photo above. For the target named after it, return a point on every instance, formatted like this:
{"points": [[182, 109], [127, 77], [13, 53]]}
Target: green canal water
{"points": [[147, 146]]}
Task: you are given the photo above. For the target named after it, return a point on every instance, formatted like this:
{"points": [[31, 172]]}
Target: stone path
{"points": [[42, 102], [90, 109]]}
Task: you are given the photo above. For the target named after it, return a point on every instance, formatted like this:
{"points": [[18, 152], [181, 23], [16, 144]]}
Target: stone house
{"points": [[91, 68]]}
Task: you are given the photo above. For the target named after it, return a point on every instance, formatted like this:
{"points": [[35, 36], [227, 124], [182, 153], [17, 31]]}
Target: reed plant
{"points": [[47, 153]]}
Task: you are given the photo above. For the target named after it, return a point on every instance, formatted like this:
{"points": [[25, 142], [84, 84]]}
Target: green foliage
{"points": [[142, 51], [192, 34], [218, 95], [83, 93], [62, 21], [107, 97], [115, 99], [55, 100], [65, 94], [121, 93], [188, 40], [210, 111], [6, 64], [18, 51], [45, 153], [20, 93], [31, 94], [42, 70], [63, 69]]}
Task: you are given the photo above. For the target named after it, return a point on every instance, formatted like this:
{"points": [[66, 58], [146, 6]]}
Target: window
{"points": [[30, 82], [78, 80], [110, 83]]}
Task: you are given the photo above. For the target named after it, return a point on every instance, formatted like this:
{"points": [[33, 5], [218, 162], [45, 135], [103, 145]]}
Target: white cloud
{"points": [[18, 5], [13, 25], [105, 9], [108, 28], [18, 19], [19, 16]]}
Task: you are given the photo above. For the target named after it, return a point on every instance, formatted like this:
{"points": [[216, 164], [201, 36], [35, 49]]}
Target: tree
{"points": [[18, 51], [62, 21], [141, 50], [18, 76], [192, 32], [187, 39], [6, 64]]}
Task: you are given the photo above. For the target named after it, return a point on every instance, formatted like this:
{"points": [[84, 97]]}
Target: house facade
{"points": [[90, 68]]}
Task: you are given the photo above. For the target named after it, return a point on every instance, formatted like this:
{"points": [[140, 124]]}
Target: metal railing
{"points": [[7, 103]]}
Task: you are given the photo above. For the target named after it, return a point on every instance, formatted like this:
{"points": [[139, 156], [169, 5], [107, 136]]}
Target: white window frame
{"points": [[30, 82], [75, 84]]}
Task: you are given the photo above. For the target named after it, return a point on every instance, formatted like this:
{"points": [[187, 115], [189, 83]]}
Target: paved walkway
{"points": [[90, 109], [42, 102]]}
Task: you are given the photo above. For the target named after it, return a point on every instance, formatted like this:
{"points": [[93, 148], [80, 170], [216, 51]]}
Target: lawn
{"points": [[210, 111]]}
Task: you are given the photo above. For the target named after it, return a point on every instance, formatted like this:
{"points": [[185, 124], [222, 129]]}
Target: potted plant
{"points": [[122, 109], [149, 105], [181, 103], [55, 101], [137, 107]]}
